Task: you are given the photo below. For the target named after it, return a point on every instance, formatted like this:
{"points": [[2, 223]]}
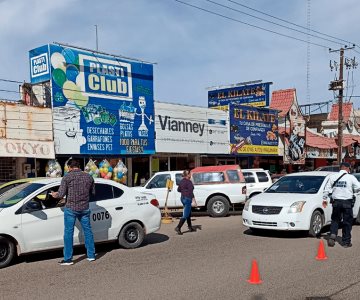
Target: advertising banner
{"points": [[101, 104], [190, 129], [254, 95], [295, 143], [253, 130]]}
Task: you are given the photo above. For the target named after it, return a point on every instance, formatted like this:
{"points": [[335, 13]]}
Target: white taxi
{"points": [[32, 220], [294, 202]]}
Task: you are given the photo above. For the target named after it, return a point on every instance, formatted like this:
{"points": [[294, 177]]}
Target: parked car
{"points": [[32, 220], [294, 202], [257, 180], [217, 188]]}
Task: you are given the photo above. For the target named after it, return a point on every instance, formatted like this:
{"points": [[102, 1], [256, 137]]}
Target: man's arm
{"points": [[62, 190]]}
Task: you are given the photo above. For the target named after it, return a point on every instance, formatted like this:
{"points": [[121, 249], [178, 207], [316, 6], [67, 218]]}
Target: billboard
{"points": [[253, 130], [190, 129], [102, 104], [252, 94]]}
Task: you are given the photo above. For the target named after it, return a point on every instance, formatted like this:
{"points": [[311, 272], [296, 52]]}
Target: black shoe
{"points": [[331, 242], [346, 245], [192, 229], [66, 262], [178, 231]]}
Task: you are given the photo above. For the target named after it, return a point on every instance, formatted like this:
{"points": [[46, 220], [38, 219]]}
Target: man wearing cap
{"points": [[342, 187]]}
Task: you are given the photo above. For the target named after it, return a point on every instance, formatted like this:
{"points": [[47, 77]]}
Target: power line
{"points": [[248, 24], [288, 22], [274, 23]]}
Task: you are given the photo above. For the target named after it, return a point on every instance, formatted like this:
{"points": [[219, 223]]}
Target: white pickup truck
{"points": [[216, 195]]}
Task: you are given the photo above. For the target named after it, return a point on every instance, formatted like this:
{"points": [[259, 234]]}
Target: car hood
{"points": [[278, 199]]}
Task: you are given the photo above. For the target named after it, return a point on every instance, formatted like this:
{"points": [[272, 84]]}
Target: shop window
{"points": [[7, 169]]}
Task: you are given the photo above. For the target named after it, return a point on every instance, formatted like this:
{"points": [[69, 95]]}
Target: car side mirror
{"points": [[150, 186], [32, 205]]}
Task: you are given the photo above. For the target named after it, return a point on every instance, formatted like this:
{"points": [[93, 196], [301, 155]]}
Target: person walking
{"points": [[342, 187], [186, 188], [76, 186]]}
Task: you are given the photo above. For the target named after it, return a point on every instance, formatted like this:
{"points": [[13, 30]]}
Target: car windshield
{"points": [[297, 185], [16, 194]]}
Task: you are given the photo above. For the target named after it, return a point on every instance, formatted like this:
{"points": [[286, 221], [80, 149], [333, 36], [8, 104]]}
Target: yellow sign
{"points": [[255, 149], [169, 184]]}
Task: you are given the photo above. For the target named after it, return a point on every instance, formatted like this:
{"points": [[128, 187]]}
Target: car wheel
{"points": [[7, 252], [131, 235], [316, 224], [218, 206]]}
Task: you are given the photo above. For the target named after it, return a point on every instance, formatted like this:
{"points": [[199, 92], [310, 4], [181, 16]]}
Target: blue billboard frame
{"points": [[102, 104], [252, 94]]}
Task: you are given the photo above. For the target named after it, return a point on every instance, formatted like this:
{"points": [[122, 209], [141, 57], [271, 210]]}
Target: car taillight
{"points": [[243, 190], [154, 202]]}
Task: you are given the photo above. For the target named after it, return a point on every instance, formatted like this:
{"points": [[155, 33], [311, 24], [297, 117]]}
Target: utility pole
{"points": [[339, 85], [96, 37]]}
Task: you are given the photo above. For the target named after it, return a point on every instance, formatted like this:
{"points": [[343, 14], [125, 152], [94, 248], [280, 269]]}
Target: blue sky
{"points": [[193, 49]]}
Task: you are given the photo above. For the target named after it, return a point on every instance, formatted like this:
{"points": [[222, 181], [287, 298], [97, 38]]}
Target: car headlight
{"points": [[296, 207], [247, 204]]}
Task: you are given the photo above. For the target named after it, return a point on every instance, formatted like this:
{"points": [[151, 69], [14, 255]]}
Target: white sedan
{"points": [[294, 202], [32, 220]]}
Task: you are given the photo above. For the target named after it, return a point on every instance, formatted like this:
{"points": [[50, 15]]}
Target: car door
{"points": [[105, 205], [43, 228], [250, 182], [157, 186]]}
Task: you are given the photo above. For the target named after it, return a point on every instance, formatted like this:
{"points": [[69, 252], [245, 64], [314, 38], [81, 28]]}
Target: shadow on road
{"points": [[102, 249], [154, 238], [277, 234]]}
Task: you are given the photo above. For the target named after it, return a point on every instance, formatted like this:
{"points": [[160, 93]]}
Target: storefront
{"points": [[26, 141], [187, 135]]}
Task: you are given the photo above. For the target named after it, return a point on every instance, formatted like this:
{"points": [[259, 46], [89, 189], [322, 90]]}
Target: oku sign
{"points": [[23, 148]]}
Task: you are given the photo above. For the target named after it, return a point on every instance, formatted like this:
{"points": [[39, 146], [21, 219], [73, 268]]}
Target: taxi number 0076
{"points": [[101, 216]]}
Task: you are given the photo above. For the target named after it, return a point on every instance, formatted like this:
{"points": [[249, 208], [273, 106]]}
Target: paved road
{"points": [[212, 263]]}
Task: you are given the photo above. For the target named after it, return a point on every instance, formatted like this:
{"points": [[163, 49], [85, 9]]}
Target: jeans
{"points": [[70, 217], [187, 207], [342, 209]]}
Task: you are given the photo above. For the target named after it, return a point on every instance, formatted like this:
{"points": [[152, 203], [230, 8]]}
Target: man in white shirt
{"points": [[342, 187]]}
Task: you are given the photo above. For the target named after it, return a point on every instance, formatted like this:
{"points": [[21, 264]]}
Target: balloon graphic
{"points": [[59, 77], [58, 61], [72, 72]]}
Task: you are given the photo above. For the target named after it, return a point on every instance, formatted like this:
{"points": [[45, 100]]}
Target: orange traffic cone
{"points": [[321, 251], [254, 274]]}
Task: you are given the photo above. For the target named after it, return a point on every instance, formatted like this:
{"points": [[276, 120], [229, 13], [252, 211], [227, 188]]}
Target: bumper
{"points": [[282, 221]]}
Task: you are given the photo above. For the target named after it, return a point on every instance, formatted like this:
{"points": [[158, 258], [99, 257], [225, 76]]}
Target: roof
{"points": [[215, 168], [349, 139], [318, 141], [334, 113], [282, 100]]}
